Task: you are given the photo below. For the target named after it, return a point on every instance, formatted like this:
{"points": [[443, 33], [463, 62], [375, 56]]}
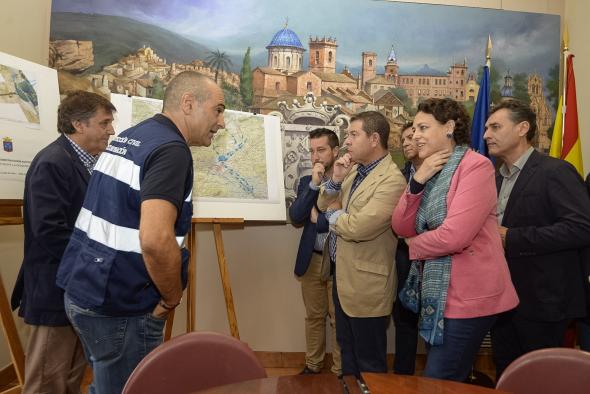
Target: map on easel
{"points": [[29, 97], [234, 166], [239, 175]]}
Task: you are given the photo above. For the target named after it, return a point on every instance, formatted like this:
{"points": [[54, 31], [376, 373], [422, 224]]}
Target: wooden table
{"points": [[323, 383], [382, 383], [378, 383]]}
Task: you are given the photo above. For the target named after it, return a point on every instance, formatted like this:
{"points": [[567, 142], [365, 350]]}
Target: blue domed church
{"points": [[285, 52]]}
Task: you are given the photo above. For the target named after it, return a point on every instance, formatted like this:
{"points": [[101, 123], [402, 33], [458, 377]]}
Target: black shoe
{"points": [[308, 371]]}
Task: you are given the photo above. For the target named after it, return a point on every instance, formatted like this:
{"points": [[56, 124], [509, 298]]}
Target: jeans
{"points": [[114, 345], [461, 340]]}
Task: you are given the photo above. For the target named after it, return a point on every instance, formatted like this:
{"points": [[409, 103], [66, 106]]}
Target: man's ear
{"points": [[187, 103], [376, 139], [523, 128], [335, 151], [77, 125]]}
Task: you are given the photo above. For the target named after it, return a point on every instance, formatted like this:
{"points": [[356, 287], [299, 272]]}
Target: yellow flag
{"points": [[556, 137], [574, 156], [571, 150]]}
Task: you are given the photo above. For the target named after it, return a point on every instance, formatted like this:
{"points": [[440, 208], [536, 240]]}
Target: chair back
{"points": [[194, 361], [548, 371]]}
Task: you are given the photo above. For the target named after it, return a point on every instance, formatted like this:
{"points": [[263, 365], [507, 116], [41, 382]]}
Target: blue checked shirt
{"points": [[332, 187], [86, 158]]}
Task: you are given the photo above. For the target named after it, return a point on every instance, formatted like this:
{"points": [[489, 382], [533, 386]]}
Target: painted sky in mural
{"points": [[421, 34]]}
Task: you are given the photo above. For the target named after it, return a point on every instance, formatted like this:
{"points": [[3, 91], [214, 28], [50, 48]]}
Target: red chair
{"points": [[548, 371], [194, 361]]}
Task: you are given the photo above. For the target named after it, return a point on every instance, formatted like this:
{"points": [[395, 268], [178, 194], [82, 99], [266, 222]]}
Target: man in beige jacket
{"points": [[360, 197]]}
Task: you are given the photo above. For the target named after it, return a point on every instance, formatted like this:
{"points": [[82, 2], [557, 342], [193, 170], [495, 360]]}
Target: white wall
{"points": [[260, 257], [24, 32]]}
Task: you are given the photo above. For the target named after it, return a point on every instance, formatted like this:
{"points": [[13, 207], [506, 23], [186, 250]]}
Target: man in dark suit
{"points": [[55, 186], [544, 222], [584, 323], [406, 321], [312, 266]]}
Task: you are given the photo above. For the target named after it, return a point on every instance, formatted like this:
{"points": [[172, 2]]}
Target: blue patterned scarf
{"points": [[425, 290]]}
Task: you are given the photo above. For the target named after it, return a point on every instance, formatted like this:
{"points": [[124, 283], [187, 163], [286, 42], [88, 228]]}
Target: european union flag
{"points": [[480, 114]]}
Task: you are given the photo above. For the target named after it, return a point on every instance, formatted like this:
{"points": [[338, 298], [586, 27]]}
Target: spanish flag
{"points": [[565, 142]]}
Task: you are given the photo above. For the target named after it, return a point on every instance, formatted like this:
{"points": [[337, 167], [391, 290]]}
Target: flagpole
{"points": [[564, 90], [489, 53], [482, 105]]}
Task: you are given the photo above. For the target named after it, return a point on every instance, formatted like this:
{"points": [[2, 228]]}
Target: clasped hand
{"points": [[342, 167], [317, 173], [431, 166]]}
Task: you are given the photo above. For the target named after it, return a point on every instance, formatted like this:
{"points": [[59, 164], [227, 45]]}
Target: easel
{"points": [[11, 214], [192, 271]]}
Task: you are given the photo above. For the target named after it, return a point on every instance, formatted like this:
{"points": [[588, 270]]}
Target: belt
{"points": [[318, 252]]}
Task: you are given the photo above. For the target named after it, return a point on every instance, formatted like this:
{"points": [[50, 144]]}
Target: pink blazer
{"points": [[480, 282]]}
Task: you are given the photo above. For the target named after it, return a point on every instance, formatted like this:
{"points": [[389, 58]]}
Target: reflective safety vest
{"points": [[102, 268]]}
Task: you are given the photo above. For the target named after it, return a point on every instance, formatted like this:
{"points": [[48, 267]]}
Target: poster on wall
{"points": [[29, 98], [240, 175]]}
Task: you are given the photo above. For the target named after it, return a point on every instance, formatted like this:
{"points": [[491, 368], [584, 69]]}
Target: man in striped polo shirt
{"points": [[126, 265]]}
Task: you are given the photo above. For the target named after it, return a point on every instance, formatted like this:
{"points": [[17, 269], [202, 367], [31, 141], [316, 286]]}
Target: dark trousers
{"points": [[514, 335], [405, 321], [362, 340], [584, 333], [461, 341]]}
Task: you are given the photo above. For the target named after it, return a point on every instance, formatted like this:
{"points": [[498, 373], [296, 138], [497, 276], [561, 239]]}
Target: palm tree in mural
{"points": [[219, 61]]}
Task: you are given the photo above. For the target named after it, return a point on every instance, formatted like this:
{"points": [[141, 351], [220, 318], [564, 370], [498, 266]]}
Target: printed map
{"points": [[142, 109], [234, 166]]}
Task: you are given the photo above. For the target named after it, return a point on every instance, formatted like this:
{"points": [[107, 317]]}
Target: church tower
{"points": [[391, 67], [322, 54], [369, 70], [506, 91]]}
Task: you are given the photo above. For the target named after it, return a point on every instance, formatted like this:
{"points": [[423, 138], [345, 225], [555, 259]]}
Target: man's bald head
{"points": [[195, 104], [198, 85]]}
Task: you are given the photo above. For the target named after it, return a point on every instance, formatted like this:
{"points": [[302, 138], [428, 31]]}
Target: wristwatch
{"points": [[168, 307]]}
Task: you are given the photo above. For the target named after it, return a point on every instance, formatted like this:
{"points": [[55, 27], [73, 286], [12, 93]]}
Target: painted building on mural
{"points": [[471, 88], [138, 74], [283, 81], [423, 83], [541, 109], [538, 104], [284, 77]]}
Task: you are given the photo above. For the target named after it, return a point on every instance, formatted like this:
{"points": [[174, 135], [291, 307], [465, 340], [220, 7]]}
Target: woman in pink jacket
{"points": [[459, 280]]}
